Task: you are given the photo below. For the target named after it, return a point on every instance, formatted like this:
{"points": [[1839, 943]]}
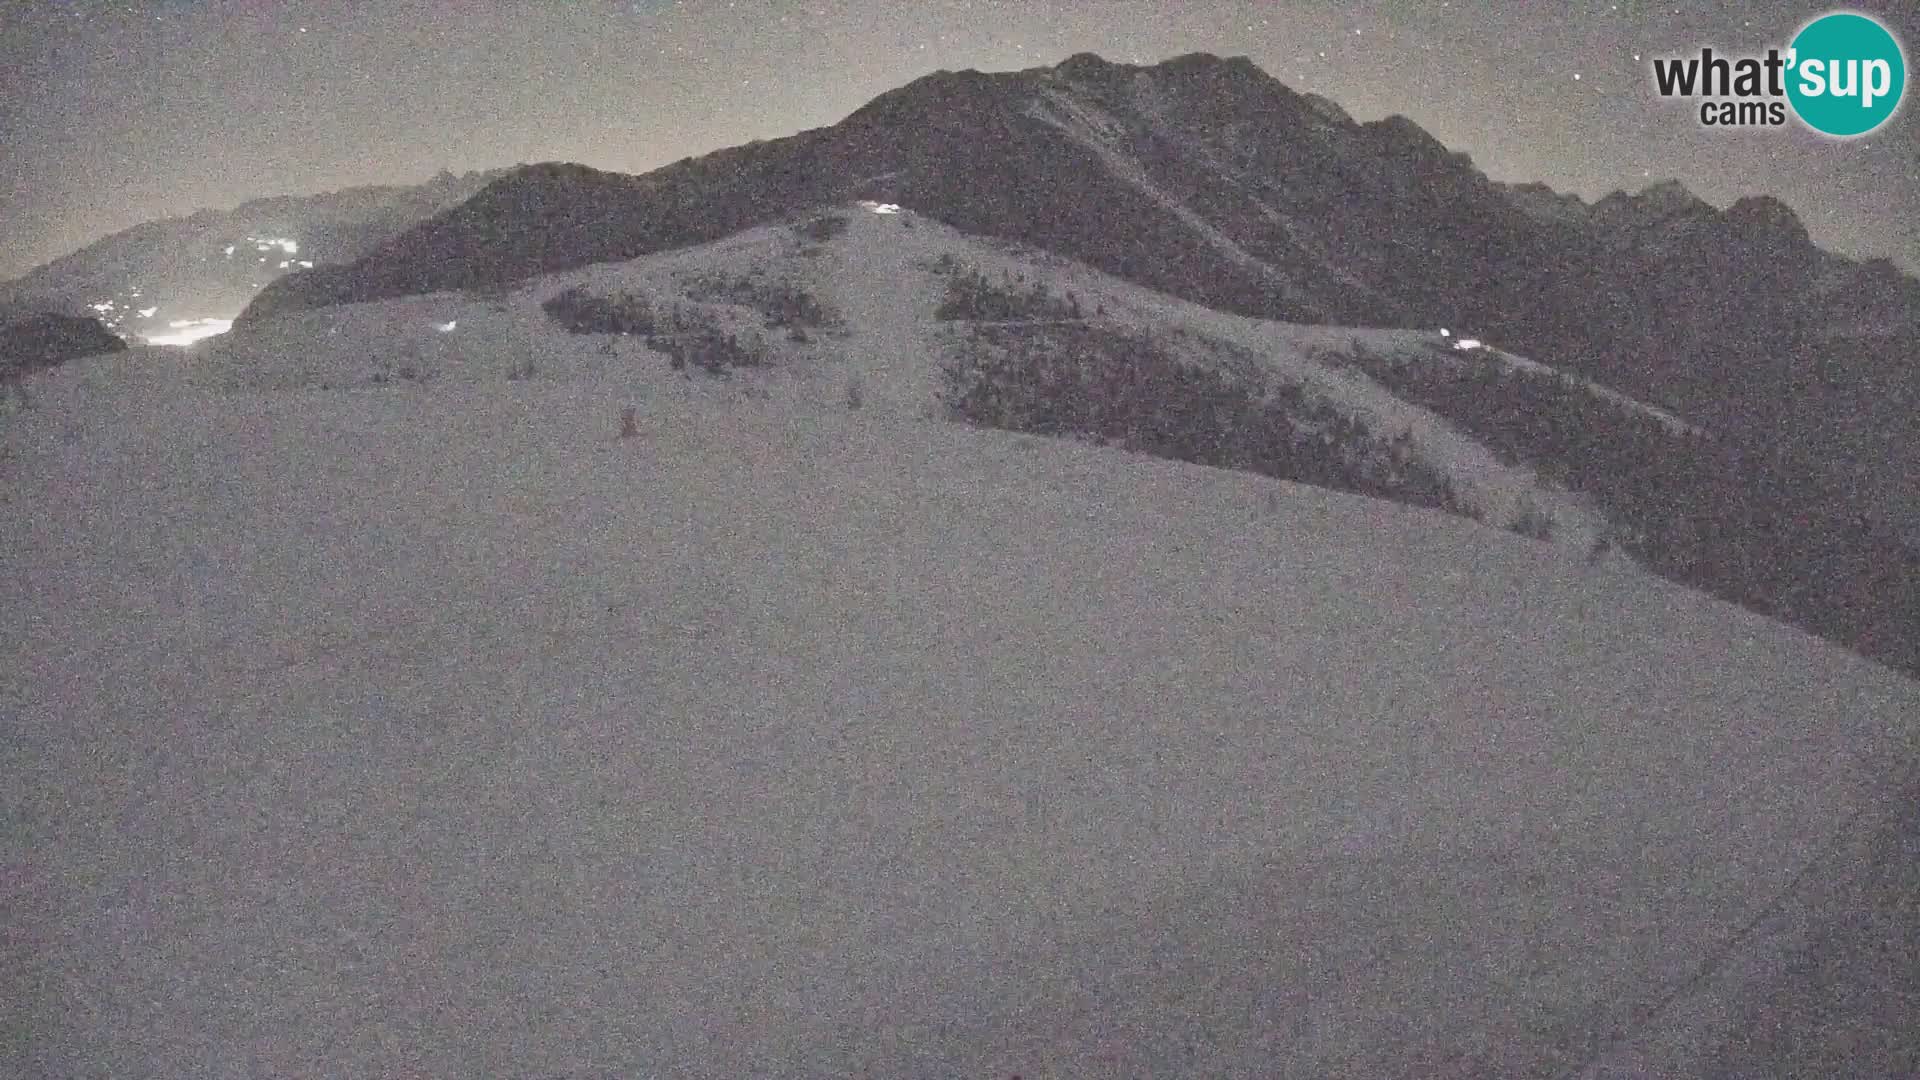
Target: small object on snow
{"points": [[446, 327], [1601, 546], [627, 428]]}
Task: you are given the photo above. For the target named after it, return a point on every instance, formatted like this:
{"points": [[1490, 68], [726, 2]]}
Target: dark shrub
{"points": [[1127, 390], [972, 296], [822, 228], [1530, 521], [583, 313], [781, 303], [709, 349]]}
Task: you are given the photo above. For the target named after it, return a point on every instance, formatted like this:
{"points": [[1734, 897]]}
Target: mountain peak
{"points": [[1328, 108], [1666, 200], [1405, 133], [1206, 62], [1767, 213], [1093, 64], [1085, 65], [1543, 203], [1669, 194], [1542, 190]]}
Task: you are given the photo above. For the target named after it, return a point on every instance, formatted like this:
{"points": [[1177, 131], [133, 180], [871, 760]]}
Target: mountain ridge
{"points": [[1209, 180], [211, 263], [943, 100], [1059, 348]]}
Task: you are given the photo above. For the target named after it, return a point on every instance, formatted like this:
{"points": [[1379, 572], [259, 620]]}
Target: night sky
{"points": [[113, 114]]}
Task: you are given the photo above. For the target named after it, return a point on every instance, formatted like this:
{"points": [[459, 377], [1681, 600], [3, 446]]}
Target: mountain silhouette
{"points": [[211, 263], [1207, 179]]}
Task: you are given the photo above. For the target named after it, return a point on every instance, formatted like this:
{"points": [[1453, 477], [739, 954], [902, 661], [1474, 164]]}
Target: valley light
{"points": [[188, 331], [1444, 332], [1465, 343], [229, 251], [306, 263], [446, 327], [880, 207], [147, 312]]}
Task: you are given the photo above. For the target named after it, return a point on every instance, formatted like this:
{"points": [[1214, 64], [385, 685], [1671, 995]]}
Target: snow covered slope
{"points": [[881, 277], [432, 729]]}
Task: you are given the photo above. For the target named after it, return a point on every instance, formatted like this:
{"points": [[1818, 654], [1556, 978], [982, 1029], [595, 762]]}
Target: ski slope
{"points": [[431, 729]]}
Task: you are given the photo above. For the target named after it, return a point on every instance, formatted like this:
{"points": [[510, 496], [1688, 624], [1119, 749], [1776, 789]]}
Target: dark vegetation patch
{"points": [[973, 296], [1130, 390], [782, 304], [691, 339], [582, 312], [1735, 517], [821, 228]]}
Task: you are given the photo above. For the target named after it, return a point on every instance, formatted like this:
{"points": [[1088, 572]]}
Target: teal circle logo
{"points": [[1846, 74]]}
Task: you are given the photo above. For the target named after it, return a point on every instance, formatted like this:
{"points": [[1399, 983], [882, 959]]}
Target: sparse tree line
{"points": [[582, 312], [972, 295], [1732, 517], [689, 338], [783, 304], [1127, 390]]}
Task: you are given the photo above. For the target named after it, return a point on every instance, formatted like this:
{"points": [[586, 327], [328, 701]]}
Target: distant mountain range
{"points": [[1200, 177], [209, 265], [1208, 179]]}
